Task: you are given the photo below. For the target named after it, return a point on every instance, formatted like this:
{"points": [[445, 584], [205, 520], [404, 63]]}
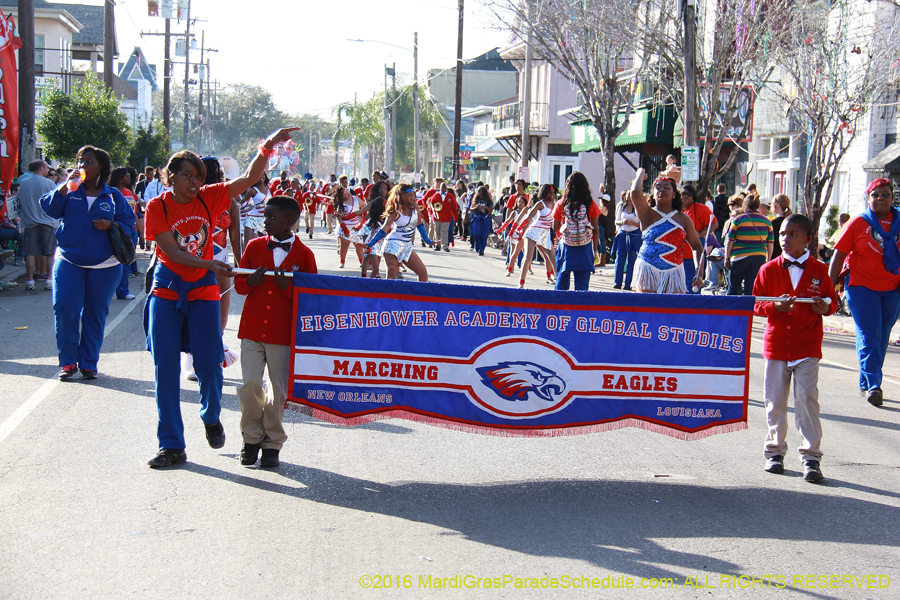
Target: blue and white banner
{"points": [[514, 362]]}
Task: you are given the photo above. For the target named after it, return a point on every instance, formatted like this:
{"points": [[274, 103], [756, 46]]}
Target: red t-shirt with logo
{"points": [[190, 224], [700, 215], [865, 255]]}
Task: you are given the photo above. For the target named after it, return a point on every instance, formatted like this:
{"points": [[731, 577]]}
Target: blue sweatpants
{"points": [[874, 314], [203, 322], [81, 300], [626, 246], [481, 229], [582, 280]]}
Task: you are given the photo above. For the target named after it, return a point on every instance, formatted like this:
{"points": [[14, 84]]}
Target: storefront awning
{"points": [[645, 126], [888, 160]]}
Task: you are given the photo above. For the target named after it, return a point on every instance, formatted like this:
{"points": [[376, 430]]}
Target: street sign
{"points": [[523, 173], [690, 163]]}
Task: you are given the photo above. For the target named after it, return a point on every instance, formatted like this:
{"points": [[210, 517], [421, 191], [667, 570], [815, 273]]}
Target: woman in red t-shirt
{"points": [[183, 311], [869, 242]]}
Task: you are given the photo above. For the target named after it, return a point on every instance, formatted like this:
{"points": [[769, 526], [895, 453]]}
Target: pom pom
{"points": [[231, 356]]}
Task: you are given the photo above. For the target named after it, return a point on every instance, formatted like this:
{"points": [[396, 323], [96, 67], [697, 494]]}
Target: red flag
{"points": [[9, 106]]}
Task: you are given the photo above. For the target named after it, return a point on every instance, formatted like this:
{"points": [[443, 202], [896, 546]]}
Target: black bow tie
{"points": [[790, 263], [286, 246]]}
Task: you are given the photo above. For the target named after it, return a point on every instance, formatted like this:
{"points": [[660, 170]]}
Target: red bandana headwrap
{"points": [[669, 179], [877, 184]]}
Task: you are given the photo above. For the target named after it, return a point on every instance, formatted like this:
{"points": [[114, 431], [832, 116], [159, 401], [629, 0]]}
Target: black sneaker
{"points": [[89, 374], [775, 464], [875, 397], [627, 287], [67, 372], [269, 458], [617, 287], [249, 454], [811, 471], [215, 435], [166, 457]]}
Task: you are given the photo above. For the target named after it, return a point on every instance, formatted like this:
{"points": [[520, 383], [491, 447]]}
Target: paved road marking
{"points": [[15, 419]]}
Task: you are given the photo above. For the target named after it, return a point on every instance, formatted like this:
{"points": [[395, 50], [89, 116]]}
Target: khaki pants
{"points": [[806, 407], [261, 412], [442, 233]]}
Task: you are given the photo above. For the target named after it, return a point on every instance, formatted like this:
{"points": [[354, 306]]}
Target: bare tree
{"points": [[734, 48], [592, 43], [838, 62]]}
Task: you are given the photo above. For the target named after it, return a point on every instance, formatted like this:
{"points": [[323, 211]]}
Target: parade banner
{"points": [[9, 106], [512, 362]]}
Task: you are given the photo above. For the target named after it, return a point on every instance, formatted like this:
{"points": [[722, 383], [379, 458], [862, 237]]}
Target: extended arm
{"points": [[251, 176]]}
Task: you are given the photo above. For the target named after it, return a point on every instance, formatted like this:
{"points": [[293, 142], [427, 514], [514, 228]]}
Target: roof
{"points": [[137, 68], [92, 19], [886, 160]]}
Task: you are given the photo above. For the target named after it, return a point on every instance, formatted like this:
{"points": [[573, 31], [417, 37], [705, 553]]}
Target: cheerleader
{"points": [[348, 211], [514, 234], [374, 223], [538, 232], [257, 195], [403, 220], [659, 268]]}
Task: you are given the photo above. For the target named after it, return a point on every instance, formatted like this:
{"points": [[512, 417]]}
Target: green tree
{"points": [[246, 114], [151, 146], [89, 116]]}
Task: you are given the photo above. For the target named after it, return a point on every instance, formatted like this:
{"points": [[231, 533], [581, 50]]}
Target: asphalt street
{"points": [[397, 509]]}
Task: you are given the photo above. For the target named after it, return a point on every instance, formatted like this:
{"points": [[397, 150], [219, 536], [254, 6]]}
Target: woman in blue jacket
{"points": [[85, 273]]}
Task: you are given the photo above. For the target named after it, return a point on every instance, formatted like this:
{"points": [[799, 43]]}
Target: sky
{"points": [[299, 51]]}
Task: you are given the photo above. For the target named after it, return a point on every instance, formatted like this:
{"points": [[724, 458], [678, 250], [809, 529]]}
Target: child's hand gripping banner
{"points": [[519, 362]]}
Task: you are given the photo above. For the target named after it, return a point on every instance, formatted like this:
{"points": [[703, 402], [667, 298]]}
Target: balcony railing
{"points": [[508, 118]]}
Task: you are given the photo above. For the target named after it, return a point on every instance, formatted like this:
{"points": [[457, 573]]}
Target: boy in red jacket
{"points": [[792, 344], [265, 329]]}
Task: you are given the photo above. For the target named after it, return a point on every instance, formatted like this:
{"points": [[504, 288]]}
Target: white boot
{"points": [[187, 367]]}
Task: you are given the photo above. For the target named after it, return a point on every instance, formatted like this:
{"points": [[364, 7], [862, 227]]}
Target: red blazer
{"points": [[449, 209], [797, 334], [268, 311]]}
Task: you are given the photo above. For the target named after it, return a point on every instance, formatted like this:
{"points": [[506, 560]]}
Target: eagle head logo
{"points": [[193, 243], [517, 380]]}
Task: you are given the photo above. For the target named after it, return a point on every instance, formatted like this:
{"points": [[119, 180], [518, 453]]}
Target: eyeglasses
{"points": [[883, 196]]}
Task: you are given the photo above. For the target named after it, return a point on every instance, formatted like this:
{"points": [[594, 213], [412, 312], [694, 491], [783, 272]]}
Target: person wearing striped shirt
{"points": [[749, 246]]}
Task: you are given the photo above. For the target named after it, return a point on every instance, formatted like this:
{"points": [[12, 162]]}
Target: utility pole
{"points": [[393, 166], [187, 69], [210, 119], [526, 105], [387, 125], [109, 35], [416, 164], [200, 96], [26, 83], [457, 110], [167, 76], [690, 75]]}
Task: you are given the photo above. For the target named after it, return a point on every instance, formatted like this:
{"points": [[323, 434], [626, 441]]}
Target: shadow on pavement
{"points": [[620, 519]]}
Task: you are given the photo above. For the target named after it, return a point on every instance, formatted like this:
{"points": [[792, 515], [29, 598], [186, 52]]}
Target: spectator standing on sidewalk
{"points": [[39, 239], [86, 272]]}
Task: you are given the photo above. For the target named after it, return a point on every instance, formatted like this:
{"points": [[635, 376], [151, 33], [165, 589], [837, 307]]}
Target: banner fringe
{"points": [[507, 432]]}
